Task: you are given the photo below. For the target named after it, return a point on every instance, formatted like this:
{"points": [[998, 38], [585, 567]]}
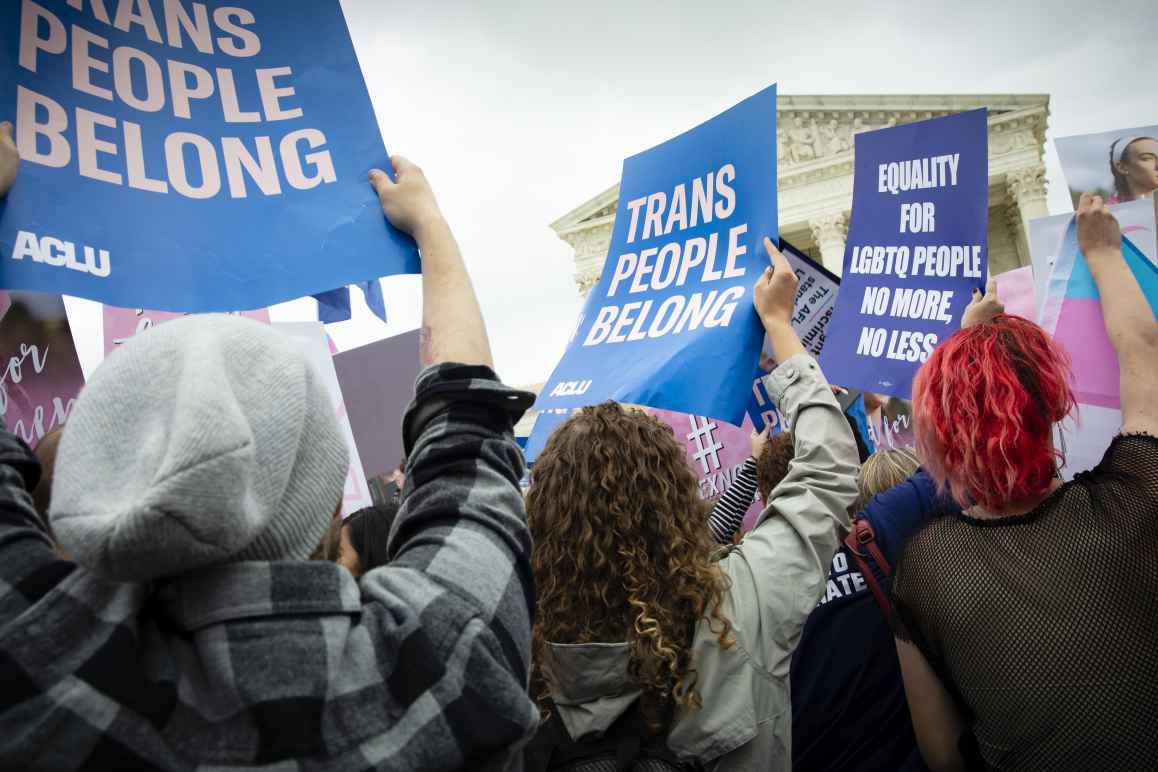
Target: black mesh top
{"points": [[1044, 626]]}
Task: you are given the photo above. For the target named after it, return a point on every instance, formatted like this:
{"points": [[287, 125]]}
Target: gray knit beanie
{"points": [[202, 441]]}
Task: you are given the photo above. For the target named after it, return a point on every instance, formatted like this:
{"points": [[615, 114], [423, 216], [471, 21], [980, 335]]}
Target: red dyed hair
{"points": [[984, 405]]}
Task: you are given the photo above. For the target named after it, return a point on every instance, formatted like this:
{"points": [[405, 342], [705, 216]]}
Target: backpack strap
{"points": [[866, 553], [550, 735]]}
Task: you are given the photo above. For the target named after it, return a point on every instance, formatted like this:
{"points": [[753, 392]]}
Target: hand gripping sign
{"points": [[189, 156]]}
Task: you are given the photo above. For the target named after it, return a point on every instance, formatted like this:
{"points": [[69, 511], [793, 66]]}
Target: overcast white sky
{"points": [[519, 110]]}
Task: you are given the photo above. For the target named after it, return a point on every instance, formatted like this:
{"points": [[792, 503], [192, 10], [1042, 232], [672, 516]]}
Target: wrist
{"points": [[1101, 252], [429, 227], [775, 323]]}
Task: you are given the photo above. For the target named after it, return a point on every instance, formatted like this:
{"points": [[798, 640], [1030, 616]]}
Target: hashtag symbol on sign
{"points": [[705, 442]]}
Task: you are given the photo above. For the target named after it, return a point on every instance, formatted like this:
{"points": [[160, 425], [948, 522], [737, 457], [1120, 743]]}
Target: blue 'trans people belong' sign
{"points": [[670, 323], [189, 156], [917, 247]]}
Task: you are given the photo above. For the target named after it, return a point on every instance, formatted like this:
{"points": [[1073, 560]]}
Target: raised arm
{"points": [[775, 300], [455, 599], [821, 481], [1130, 321], [452, 323], [781, 565]]}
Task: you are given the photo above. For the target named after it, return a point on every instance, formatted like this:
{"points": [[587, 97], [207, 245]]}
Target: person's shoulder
{"points": [[938, 530], [1128, 454], [927, 549]]}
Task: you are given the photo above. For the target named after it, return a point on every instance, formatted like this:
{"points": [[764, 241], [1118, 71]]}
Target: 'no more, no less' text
{"points": [[932, 260]]}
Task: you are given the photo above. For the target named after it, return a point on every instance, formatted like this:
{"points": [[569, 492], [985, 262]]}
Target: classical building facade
{"points": [[814, 151], [814, 176]]}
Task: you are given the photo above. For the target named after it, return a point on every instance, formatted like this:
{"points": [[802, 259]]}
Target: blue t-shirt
{"points": [[848, 701]]}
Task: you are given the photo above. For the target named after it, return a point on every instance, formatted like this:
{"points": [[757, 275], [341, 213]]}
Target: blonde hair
{"points": [[887, 468]]}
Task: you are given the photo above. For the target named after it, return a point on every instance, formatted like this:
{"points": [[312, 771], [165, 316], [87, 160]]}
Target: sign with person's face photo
{"points": [[1119, 165]]}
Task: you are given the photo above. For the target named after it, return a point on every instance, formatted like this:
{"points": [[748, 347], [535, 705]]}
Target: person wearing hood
{"points": [[633, 615], [201, 465]]}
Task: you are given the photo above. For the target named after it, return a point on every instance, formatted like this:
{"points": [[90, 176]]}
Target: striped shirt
{"points": [[728, 513]]}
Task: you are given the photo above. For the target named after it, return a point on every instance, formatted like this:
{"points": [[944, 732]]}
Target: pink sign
{"points": [[716, 452], [890, 421], [1015, 289], [123, 323], [41, 376]]}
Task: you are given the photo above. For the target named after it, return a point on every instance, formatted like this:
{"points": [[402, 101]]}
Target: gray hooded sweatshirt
{"points": [[777, 574]]}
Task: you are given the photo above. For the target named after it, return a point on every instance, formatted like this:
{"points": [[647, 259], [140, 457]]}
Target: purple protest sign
{"points": [[42, 374], [917, 248], [377, 383], [120, 324]]}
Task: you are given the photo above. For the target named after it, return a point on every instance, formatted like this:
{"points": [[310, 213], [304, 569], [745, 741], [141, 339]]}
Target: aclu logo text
{"points": [[59, 253], [570, 388]]}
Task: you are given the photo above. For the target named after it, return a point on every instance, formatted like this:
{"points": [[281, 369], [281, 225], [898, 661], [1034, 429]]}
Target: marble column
{"points": [[828, 233], [1027, 192]]}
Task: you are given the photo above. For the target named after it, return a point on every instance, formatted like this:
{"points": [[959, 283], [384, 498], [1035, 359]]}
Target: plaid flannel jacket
{"points": [[293, 665]]}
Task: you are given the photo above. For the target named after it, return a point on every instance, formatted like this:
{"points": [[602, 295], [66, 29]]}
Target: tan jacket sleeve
{"points": [[779, 569]]}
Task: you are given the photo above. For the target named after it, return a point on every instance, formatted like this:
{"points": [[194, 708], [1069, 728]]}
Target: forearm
{"points": [[789, 551], [463, 472], [936, 722], [460, 555], [728, 514], [452, 323], [1133, 332], [813, 497], [785, 342]]}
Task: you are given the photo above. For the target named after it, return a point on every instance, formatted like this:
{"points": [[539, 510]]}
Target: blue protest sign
{"points": [[670, 323], [188, 156], [916, 249]]}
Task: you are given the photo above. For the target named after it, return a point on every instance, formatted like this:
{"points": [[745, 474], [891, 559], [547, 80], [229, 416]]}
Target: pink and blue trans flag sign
{"points": [[670, 323], [1072, 313], [190, 156]]}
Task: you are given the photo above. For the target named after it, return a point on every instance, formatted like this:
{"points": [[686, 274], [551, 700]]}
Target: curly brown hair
{"points": [[623, 550], [772, 465]]}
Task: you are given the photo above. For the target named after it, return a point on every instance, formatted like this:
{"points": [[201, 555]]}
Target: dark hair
{"points": [[773, 463], [370, 532], [1121, 184]]}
